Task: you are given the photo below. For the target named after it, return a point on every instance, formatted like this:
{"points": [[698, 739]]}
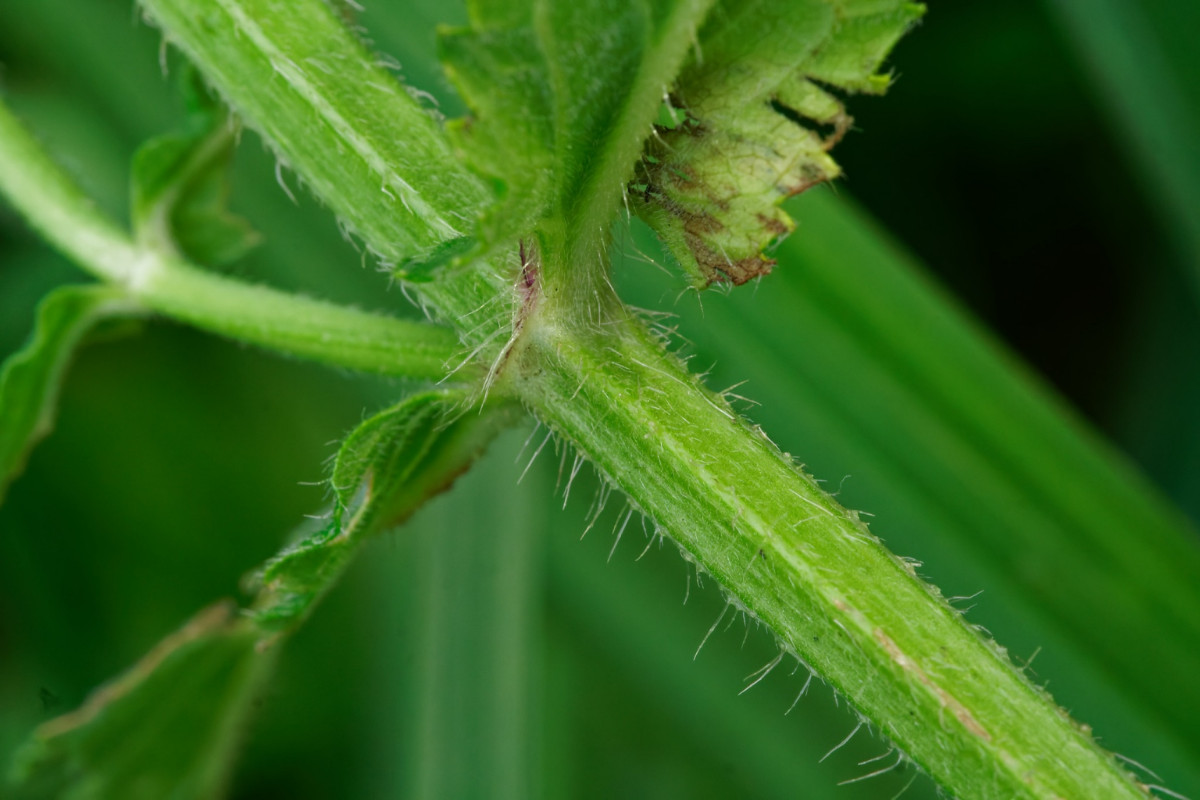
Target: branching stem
{"points": [[298, 326], [782, 548]]}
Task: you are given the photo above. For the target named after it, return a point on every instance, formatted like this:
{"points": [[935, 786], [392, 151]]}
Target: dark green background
{"points": [[483, 650]]}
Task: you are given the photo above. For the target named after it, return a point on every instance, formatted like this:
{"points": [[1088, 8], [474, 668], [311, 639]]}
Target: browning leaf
{"points": [[759, 116]]}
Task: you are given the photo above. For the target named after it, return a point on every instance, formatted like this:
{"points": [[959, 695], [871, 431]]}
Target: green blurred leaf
{"points": [[31, 378], [166, 728], [759, 115], [563, 95], [479, 609], [1143, 61], [179, 185]]}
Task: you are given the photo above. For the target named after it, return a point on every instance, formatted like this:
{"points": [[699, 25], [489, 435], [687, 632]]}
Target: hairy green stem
{"points": [[789, 554], [366, 147], [405, 193], [299, 326]]}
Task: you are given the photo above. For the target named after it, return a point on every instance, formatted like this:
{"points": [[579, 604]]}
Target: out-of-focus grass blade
{"points": [[865, 369], [1157, 419], [30, 378], [1143, 77], [167, 728], [476, 730]]}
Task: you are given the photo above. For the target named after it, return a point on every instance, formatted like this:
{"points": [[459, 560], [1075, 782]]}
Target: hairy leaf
{"points": [[759, 115], [30, 378], [385, 470], [180, 184], [564, 94]]}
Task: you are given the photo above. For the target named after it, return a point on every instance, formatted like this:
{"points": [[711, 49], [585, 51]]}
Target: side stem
{"points": [[58, 209]]}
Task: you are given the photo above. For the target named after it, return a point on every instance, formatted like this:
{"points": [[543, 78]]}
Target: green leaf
{"points": [[180, 185], [166, 728], [495, 71], [386, 469], [760, 115], [31, 378], [563, 95]]}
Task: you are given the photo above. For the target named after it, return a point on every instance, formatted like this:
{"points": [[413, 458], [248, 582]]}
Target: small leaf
{"points": [[180, 186], [563, 95], [166, 728], [761, 117], [501, 73], [30, 379], [385, 470]]}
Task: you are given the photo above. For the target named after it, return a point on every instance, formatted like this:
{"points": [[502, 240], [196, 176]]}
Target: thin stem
{"points": [[313, 329]]}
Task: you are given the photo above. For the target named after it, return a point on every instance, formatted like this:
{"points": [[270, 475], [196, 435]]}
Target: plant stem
{"points": [[299, 326], [808, 568], [784, 549], [395, 180], [364, 145]]}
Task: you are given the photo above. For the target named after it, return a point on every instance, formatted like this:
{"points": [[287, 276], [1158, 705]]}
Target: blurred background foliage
{"points": [[484, 650]]}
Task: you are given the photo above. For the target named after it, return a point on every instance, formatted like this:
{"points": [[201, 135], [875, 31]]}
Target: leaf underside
{"points": [[166, 728], [750, 122], [562, 95], [384, 471]]}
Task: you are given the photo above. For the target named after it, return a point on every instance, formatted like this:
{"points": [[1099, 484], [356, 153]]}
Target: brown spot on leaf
{"points": [[773, 224]]}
